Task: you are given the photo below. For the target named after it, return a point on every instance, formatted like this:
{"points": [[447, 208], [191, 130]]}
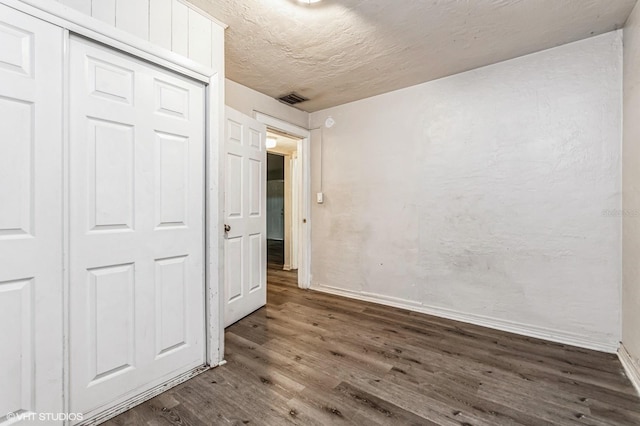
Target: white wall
{"points": [[480, 196], [248, 101], [171, 24], [631, 191]]}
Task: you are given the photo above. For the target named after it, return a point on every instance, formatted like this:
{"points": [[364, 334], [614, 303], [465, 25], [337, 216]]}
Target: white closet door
{"points": [[245, 245], [137, 233], [31, 303]]}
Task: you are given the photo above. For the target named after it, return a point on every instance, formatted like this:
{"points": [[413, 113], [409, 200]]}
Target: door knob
{"points": [[227, 228]]}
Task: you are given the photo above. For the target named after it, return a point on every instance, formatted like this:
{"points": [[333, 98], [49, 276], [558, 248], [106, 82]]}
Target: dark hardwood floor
{"points": [[275, 253], [310, 358]]}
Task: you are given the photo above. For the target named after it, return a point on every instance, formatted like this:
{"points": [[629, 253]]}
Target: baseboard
{"points": [[557, 336], [143, 397], [630, 367]]}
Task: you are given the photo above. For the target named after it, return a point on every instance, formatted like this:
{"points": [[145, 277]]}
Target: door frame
{"points": [[72, 21], [304, 163]]}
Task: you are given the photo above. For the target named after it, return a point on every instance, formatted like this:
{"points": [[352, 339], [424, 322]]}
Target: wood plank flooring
{"points": [[310, 358], [275, 253]]}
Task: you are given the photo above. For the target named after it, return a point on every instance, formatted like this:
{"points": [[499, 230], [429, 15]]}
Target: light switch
{"points": [[320, 197]]}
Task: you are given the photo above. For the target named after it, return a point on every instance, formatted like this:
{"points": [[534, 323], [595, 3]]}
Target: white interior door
{"points": [[245, 245], [137, 233], [31, 304]]}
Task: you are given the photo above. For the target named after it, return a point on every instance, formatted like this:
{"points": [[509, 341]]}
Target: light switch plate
{"points": [[320, 197]]}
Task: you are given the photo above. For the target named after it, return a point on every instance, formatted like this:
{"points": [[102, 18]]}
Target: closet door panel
{"points": [[31, 305], [137, 226]]}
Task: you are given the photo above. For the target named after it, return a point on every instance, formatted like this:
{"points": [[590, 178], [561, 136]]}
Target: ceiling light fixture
{"points": [[271, 142], [308, 1]]}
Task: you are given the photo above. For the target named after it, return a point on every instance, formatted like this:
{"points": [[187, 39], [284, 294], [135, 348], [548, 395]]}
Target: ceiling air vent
{"points": [[292, 99]]}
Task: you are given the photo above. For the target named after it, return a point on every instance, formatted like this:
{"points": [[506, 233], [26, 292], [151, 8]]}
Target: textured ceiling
{"points": [[338, 51]]}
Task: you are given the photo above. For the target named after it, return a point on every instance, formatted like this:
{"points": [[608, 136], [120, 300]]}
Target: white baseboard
{"points": [[630, 367], [129, 403], [557, 336]]}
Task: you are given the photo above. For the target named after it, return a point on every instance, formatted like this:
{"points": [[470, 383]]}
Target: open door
{"points": [[245, 244]]}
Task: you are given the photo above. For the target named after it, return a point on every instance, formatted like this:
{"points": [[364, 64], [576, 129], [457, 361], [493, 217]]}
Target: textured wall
{"points": [[247, 101], [631, 189], [482, 196]]}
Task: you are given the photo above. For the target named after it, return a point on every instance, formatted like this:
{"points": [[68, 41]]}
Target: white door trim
{"points": [[304, 162], [630, 367]]}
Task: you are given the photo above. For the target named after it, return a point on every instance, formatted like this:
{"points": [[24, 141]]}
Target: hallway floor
{"points": [[275, 253]]}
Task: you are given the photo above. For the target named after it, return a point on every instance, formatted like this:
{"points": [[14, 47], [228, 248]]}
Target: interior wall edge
{"points": [[630, 367], [630, 190], [552, 335]]}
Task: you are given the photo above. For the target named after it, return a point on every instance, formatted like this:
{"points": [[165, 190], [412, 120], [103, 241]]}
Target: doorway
{"points": [[245, 208], [283, 207], [300, 251]]}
